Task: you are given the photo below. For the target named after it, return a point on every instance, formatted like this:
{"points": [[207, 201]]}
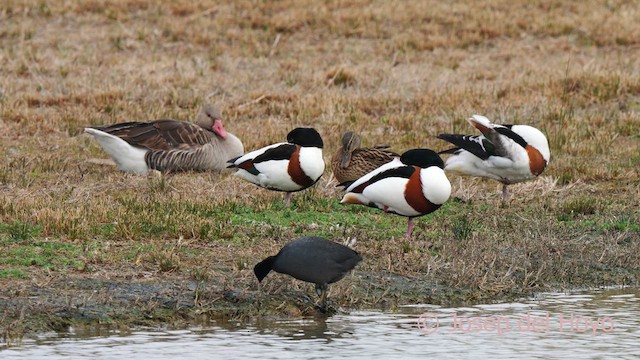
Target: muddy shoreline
{"points": [[77, 301]]}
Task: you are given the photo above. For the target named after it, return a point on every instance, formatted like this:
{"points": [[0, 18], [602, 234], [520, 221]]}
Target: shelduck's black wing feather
{"points": [[478, 145]]}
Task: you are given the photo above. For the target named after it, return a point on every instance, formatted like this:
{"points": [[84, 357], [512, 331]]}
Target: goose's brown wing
{"points": [[160, 134]]}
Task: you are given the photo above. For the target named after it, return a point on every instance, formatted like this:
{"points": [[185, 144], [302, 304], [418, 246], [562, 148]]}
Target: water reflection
{"points": [[589, 324]]}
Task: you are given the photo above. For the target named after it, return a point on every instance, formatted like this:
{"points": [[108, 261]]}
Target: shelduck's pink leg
{"points": [[409, 228]]}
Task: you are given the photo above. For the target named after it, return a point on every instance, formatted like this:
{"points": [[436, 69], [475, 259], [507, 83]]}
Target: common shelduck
{"points": [[351, 161], [412, 185], [311, 259], [507, 153], [288, 166], [169, 145]]}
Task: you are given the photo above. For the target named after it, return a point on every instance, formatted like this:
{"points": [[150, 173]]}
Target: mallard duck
{"points": [[169, 145], [351, 161], [413, 185], [507, 153], [288, 166]]}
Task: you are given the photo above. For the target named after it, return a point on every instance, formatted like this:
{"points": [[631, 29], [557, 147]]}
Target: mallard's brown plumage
{"points": [[351, 161]]}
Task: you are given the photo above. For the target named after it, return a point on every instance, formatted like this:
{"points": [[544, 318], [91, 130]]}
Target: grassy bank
{"points": [[83, 243]]}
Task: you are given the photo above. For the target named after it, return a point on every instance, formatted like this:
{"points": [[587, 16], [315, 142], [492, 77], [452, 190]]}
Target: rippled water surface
{"points": [[588, 324]]}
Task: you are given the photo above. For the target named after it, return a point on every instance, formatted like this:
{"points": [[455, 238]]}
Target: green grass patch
{"points": [[462, 227], [275, 223], [579, 208], [47, 254], [20, 231], [622, 222], [12, 274], [236, 222]]}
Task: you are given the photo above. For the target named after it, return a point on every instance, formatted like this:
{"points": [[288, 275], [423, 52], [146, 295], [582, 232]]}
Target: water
{"points": [[588, 324]]}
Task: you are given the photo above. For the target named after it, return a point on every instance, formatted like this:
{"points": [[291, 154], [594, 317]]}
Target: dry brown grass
{"points": [[396, 73]]}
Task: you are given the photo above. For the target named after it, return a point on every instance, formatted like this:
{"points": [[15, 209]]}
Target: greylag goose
{"points": [[169, 145]]}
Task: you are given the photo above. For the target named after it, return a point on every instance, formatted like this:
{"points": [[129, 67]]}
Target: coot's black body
{"points": [[311, 259]]}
